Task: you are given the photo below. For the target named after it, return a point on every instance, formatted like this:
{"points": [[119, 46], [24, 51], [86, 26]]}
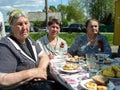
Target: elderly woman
{"points": [[22, 62], [52, 44], [91, 42]]}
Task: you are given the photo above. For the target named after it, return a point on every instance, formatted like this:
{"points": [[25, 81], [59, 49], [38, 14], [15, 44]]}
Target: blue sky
{"points": [[27, 5]]}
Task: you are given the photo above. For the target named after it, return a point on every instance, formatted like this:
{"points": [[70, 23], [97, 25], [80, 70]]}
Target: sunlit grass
{"points": [[70, 37]]}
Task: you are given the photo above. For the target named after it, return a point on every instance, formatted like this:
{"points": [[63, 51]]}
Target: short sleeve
{"points": [[8, 62]]}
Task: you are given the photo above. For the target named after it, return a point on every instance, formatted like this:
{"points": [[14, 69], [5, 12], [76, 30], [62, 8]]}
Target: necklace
{"points": [[92, 42]]}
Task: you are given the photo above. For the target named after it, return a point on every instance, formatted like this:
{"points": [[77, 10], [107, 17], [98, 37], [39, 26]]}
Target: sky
{"points": [[27, 5]]}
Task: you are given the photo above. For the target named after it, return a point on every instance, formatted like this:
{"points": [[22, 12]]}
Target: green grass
{"points": [[70, 37]]}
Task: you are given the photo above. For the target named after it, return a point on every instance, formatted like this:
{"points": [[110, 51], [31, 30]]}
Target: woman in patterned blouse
{"points": [[91, 42]]}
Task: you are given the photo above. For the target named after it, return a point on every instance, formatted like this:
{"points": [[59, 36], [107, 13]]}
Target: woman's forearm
{"points": [[17, 78], [44, 61]]}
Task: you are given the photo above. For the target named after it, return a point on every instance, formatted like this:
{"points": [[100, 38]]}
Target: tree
{"points": [[52, 8], [75, 11], [63, 9], [100, 9]]}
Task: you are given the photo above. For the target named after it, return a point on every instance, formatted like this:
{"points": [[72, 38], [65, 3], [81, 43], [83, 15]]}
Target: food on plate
{"points": [[100, 79], [108, 72], [116, 68], [117, 71], [107, 61], [72, 59], [112, 72], [69, 66], [82, 58], [76, 57], [91, 85], [118, 74], [102, 88]]}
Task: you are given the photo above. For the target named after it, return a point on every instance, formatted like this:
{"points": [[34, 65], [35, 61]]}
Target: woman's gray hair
{"points": [[16, 14]]}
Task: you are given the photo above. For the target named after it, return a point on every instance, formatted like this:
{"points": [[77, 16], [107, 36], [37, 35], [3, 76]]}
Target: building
{"points": [[41, 16]]}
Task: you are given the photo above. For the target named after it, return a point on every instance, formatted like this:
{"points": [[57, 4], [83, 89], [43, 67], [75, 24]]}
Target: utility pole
{"points": [[46, 7], [61, 11]]}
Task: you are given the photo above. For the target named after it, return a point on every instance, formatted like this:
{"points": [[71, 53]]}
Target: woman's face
{"points": [[20, 28], [93, 27], [54, 29]]}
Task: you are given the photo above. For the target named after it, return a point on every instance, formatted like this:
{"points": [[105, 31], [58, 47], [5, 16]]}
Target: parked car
{"points": [[74, 28]]}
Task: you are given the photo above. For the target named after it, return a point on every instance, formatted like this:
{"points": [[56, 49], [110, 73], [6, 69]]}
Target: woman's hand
{"points": [[51, 56], [69, 55], [38, 74]]}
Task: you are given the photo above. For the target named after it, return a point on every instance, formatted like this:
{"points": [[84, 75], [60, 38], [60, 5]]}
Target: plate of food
{"points": [[70, 68], [101, 57], [108, 61], [105, 61], [88, 83], [75, 59], [69, 71]]}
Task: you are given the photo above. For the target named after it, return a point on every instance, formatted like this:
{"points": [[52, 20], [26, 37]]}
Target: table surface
{"points": [[74, 81]]}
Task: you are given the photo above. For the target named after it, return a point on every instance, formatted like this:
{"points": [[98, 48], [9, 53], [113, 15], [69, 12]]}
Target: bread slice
{"points": [[102, 88], [100, 79]]}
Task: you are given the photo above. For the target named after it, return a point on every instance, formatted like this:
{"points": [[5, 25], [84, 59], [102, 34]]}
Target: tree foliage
{"points": [[103, 10], [76, 11], [52, 8], [73, 12]]}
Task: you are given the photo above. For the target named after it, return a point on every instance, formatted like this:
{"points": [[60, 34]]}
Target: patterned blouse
{"points": [[82, 47]]}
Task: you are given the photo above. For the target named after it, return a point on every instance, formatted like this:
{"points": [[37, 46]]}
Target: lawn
{"points": [[70, 37]]}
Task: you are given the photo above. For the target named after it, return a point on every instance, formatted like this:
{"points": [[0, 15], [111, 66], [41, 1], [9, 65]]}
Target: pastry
{"points": [[118, 74], [102, 88], [91, 85], [100, 79], [69, 66], [107, 61]]}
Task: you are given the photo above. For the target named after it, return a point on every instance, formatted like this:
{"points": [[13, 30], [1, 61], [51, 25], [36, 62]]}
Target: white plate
{"points": [[69, 71], [60, 57], [84, 82], [102, 62]]}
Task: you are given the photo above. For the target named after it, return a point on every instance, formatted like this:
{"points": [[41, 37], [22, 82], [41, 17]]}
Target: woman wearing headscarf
{"points": [[23, 64]]}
